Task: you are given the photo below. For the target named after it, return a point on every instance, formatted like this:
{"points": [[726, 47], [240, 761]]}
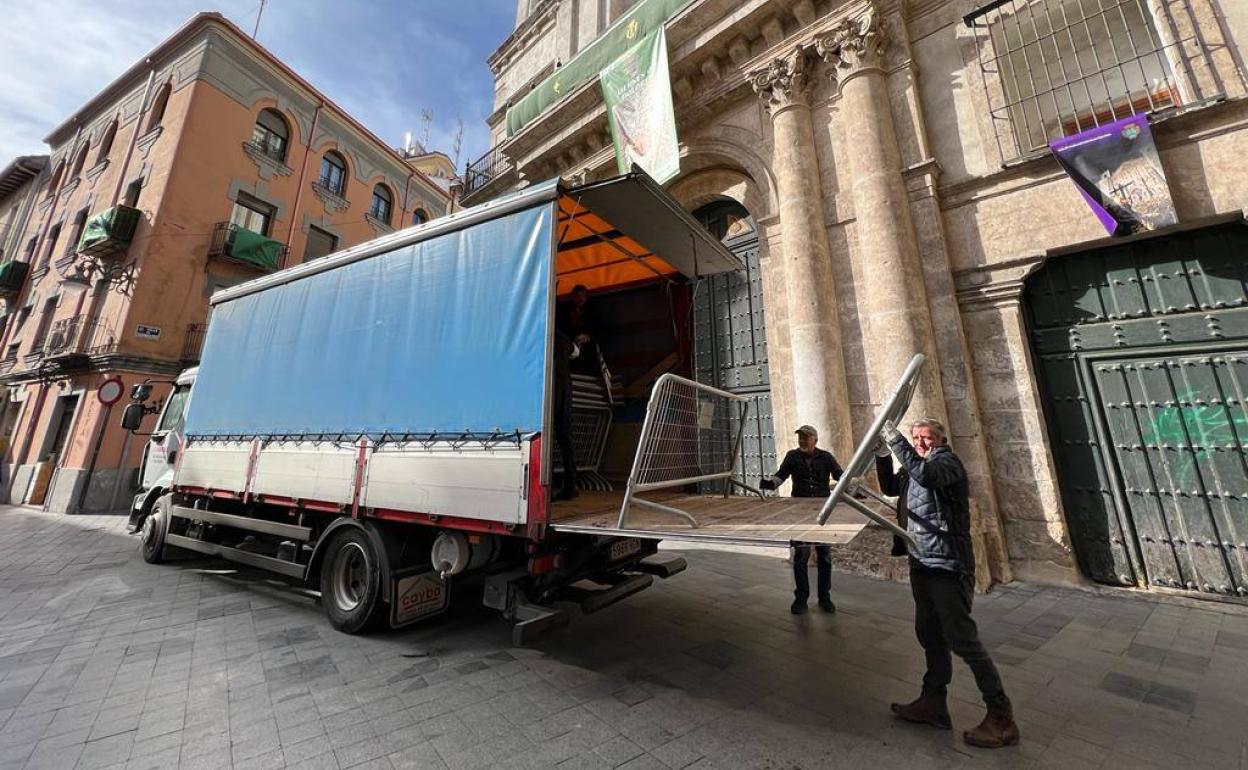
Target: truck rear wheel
{"points": [[351, 583], [155, 527]]}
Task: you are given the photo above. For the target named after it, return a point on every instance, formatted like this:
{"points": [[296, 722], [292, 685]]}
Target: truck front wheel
{"points": [[351, 583], [155, 527]]}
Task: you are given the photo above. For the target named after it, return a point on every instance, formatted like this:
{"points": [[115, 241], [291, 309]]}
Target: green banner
{"points": [[640, 20], [638, 92]]}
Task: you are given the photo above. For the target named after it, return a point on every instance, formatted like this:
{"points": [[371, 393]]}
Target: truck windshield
{"points": [[173, 413]]}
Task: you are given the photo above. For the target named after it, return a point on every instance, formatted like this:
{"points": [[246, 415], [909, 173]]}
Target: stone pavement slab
{"points": [[108, 662]]}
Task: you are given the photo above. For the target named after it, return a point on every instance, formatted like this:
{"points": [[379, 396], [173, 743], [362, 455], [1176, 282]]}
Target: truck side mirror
{"points": [[132, 418], [141, 392]]}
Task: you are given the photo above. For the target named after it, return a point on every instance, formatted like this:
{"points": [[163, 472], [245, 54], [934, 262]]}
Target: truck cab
{"points": [[160, 454]]}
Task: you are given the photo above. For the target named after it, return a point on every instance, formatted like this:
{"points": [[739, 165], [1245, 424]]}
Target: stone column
{"points": [[892, 300], [814, 325]]}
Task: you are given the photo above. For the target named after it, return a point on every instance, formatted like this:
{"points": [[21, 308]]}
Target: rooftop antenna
{"points": [[459, 139], [426, 118], [256, 29]]}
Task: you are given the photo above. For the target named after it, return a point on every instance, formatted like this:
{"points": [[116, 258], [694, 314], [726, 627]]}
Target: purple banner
{"points": [[1118, 171]]}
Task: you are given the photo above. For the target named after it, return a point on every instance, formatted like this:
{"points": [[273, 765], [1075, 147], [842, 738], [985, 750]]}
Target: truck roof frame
{"points": [[636, 207]]}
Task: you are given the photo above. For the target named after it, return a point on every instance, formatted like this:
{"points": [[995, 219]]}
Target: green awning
{"points": [[12, 276], [254, 249], [640, 20], [109, 230]]}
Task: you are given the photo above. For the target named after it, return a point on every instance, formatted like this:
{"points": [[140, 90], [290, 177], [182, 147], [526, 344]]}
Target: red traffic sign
{"points": [[110, 391]]}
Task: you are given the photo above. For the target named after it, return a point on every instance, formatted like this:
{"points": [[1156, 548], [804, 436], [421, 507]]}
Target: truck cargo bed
{"points": [[740, 520]]}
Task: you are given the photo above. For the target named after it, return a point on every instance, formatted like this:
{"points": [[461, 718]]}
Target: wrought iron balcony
{"points": [[238, 244], [78, 336], [12, 277], [276, 154], [484, 170], [109, 232], [193, 343]]}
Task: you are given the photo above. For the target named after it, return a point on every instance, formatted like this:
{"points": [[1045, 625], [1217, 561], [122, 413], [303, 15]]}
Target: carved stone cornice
{"points": [[785, 81], [857, 44]]}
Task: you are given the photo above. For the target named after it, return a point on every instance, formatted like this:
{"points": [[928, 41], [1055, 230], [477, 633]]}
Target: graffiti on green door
{"points": [[1202, 427]]}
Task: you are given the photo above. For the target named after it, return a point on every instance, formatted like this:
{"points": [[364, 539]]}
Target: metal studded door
{"points": [[1176, 428], [730, 336], [1142, 355]]}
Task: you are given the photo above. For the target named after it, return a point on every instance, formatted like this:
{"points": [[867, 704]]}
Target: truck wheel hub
{"points": [[349, 577]]}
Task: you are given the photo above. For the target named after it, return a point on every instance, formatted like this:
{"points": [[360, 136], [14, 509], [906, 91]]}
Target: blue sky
{"points": [[384, 61]]}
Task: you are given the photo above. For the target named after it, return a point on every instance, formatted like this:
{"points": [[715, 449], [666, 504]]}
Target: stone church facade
{"points": [[892, 156]]}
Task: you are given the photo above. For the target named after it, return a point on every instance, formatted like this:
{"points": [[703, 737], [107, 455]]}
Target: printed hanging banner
{"points": [[638, 93], [1118, 171]]}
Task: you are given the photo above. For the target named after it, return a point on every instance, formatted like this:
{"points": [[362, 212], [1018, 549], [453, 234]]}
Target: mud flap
{"points": [[418, 594]]}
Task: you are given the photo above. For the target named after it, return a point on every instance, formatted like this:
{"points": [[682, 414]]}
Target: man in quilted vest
{"points": [[933, 504]]}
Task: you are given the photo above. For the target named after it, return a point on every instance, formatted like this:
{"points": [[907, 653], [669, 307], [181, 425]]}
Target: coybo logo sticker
{"points": [[417, 597]]}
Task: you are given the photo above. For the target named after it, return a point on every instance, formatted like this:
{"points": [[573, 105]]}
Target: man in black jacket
{"points": [[810, 468], [933, 504]]}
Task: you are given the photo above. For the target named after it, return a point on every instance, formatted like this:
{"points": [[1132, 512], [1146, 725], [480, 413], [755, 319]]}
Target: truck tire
{"points": [[155, 527], [351, 582]]}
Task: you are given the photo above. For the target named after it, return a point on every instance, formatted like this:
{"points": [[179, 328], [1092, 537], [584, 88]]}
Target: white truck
{"points": [[376, 422]]}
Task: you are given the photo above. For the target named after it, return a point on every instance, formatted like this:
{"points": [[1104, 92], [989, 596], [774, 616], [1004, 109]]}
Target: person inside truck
{"points": [[810, 468], [577, 319], [565, 349]]}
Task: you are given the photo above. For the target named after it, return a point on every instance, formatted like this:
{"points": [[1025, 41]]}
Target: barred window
{"points": [[1053, 68]]}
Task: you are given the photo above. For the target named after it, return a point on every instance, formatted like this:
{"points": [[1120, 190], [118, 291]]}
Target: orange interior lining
{"points": [[586, 259]]}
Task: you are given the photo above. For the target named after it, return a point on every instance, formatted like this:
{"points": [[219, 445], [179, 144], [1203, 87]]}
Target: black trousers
{"points": [[563, 432], [943, 624], [801, 576]]}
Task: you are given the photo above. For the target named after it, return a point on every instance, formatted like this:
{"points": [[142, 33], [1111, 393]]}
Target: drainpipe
{"points": [[407, 188], [303, 172]]}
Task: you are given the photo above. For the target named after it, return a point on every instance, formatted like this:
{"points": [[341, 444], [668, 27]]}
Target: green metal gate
{"points": [[1142, 350], [730, 336]]}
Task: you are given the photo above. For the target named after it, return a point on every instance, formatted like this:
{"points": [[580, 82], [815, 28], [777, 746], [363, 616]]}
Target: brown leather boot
{"points": [[997, 730], [926, 710]]}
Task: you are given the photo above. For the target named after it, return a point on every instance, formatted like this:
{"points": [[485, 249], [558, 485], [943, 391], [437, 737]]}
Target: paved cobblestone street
{"points": [[106, 661]]}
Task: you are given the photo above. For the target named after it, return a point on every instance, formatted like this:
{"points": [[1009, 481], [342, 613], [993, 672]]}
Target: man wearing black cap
{"points": [[810, 468]]}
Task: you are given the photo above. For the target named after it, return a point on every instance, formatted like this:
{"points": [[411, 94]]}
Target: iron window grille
{"points": [[1052, 68]]}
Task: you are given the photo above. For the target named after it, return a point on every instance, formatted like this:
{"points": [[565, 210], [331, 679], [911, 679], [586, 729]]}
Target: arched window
{"points": [[419, 217], [80, 160], [270, 134], [157, 112], [106, 142], [382, 204], [333, 173]]}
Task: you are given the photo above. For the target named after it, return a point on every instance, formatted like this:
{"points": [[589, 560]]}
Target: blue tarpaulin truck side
{"points": [[376, 422]]}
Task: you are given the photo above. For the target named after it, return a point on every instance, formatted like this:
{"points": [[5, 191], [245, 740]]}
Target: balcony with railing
{"points": [[78, 337], [8, 363], [238, 244], [193, 343], [481, 172], [12, 277], [109, 232]]}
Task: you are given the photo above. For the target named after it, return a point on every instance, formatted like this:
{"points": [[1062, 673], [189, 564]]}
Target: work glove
{"points": [[767, 482], [889, 431]]}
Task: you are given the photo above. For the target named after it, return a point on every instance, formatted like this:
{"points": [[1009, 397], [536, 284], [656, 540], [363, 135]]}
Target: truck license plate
{"points": [[622, 549]]}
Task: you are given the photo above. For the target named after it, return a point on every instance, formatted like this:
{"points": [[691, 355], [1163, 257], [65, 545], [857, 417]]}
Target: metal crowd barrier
{"points": [[688, 437], [864, 456]]}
